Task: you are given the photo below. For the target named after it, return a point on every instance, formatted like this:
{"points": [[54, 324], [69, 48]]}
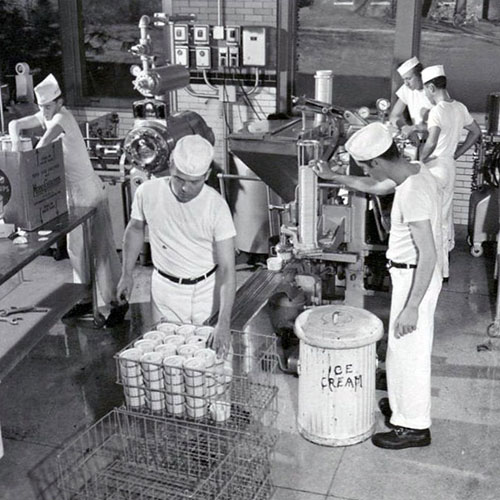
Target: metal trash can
{"points": [[337, 374]]}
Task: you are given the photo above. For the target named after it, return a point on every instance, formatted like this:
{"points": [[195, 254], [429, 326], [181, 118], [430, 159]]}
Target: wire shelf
{"points": [[131, 456]]}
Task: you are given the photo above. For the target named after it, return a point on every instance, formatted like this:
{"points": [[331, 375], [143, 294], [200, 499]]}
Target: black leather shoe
{"points": [[385, 409], [402, 437], [80, 309], [116, 315]]}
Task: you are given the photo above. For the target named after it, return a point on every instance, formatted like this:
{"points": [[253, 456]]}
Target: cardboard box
{"points": [[32, 185]]}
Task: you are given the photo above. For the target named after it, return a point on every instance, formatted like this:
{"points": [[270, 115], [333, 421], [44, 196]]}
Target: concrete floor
{"points": [[68, 382]]}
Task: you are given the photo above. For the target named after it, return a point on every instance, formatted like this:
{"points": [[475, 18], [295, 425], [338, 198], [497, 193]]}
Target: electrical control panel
{"points": [[253, 40], [223, 57], [181, 34], [201, 34], [182, 55], [233, 34], [203, 57], [234, 56]]}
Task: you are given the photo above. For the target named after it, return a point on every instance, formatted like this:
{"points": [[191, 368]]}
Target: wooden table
{"points": [[16, 341]]}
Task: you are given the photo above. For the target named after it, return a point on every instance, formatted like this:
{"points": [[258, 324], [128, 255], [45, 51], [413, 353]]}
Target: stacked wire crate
{"points": [[192, 426]]}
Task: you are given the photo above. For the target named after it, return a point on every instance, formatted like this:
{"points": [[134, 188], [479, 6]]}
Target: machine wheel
{"points": [[494, 330], [469, 240], [476, 250]]}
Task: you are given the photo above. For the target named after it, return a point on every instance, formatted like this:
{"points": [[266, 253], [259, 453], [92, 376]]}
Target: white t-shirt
{"points": [[182, 235], [77, 165], [451, 118], [415, 101], [418, 198]]}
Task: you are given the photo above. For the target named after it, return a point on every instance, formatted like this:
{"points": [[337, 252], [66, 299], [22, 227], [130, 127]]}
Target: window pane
{"points": [[354, 39], [464, 36], [30, 33], [110, 28]]}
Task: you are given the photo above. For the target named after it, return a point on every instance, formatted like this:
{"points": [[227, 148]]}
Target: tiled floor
{"points": [[68, 382]]}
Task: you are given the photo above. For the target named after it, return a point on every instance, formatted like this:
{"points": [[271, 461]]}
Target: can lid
{"points": [[338, 327]]}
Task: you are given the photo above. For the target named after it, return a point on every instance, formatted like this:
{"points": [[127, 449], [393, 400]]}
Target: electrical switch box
{"points": [[201, 34], [253, 41], [218, 33], [234, 56], [182, 56], [233, 34], [181, 33], [223, 57], [202, 59]]}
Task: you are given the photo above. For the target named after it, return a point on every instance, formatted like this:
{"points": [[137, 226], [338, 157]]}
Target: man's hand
{"points": [[406, 322], [220, 340], [322, 169], [124, 289]]}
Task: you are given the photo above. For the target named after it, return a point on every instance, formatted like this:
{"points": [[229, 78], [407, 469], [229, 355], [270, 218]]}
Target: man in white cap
{"points": [[415, 268], [191, 233], [83, 189], [447, 120], [410, 96]]}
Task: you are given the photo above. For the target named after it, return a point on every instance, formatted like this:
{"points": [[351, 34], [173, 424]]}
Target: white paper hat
{"points": [[432, 72], [47, 90], [193, 155], [369, 142], [407, 65]]}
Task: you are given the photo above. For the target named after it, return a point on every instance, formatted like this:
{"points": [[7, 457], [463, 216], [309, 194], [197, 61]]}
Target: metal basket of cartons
{"points": [[127, 455], [171, 373]]}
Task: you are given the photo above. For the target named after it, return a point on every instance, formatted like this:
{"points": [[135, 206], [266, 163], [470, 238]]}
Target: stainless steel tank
{"points": [[493, 113]]}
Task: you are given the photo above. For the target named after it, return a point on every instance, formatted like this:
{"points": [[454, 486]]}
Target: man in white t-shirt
{"points": [[191, 233], [83, 189], [411, 96], [447, 120], [415, 268]]}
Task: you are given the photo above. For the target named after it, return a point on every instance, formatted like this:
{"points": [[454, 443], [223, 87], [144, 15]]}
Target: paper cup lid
{"points": [[133, 354], [170, 349], [207, 354], [197, 363], [153, 335], [167, 327], [145, 345], [196, 339], [174, 361], [204, 331], [152, 357], [176, 340], [188, 349], [185, 330]]}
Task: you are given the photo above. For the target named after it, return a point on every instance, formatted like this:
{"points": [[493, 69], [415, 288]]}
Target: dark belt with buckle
{"points": [[187, 281], [400, 265]]}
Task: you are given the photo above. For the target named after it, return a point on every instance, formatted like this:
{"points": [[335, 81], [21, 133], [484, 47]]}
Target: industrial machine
{"points": [[483, 222]]}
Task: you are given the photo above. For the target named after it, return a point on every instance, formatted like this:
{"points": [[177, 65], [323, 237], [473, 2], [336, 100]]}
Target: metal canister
{"points": [[493, 113], [337, 365]]}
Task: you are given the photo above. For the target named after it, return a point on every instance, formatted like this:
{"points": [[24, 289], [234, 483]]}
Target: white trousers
{"points": [[408, 360], [91, 193], [183, 303], [444, 170]]}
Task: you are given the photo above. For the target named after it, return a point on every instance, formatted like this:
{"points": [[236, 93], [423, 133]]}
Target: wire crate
{"points": [[129, 456], [239, 395]]}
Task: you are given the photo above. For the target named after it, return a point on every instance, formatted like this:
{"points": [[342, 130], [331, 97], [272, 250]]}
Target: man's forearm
{"points": [[470, 140], [365, 184], [421, 280], [132, 245], [226, 296]]}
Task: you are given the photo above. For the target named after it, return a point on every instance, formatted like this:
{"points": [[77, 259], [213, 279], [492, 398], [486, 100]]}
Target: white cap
{"points": [[369, 142], [193, 155], [407, 65], [47, 90], [432, 72]]}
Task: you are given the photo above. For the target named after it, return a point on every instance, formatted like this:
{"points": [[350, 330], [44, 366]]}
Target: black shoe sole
{"points": [[402, 446]]}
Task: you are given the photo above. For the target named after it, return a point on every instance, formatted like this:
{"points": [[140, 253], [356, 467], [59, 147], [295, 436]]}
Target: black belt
{"points": [[187, 281], [400, 265]]}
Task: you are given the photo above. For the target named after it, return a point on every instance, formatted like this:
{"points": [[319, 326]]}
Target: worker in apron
{"points": [[445, 124], [191, 234], [83, 189], [411, 96], [415, 268]]}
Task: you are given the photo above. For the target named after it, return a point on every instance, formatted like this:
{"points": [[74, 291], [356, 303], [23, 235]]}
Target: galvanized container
{"points": [[337, 374]]}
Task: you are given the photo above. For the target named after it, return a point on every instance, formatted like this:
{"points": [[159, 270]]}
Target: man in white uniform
{"points": [[83, 189], [191, 233], [415, 268], [446, 122], [410, 95]]}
